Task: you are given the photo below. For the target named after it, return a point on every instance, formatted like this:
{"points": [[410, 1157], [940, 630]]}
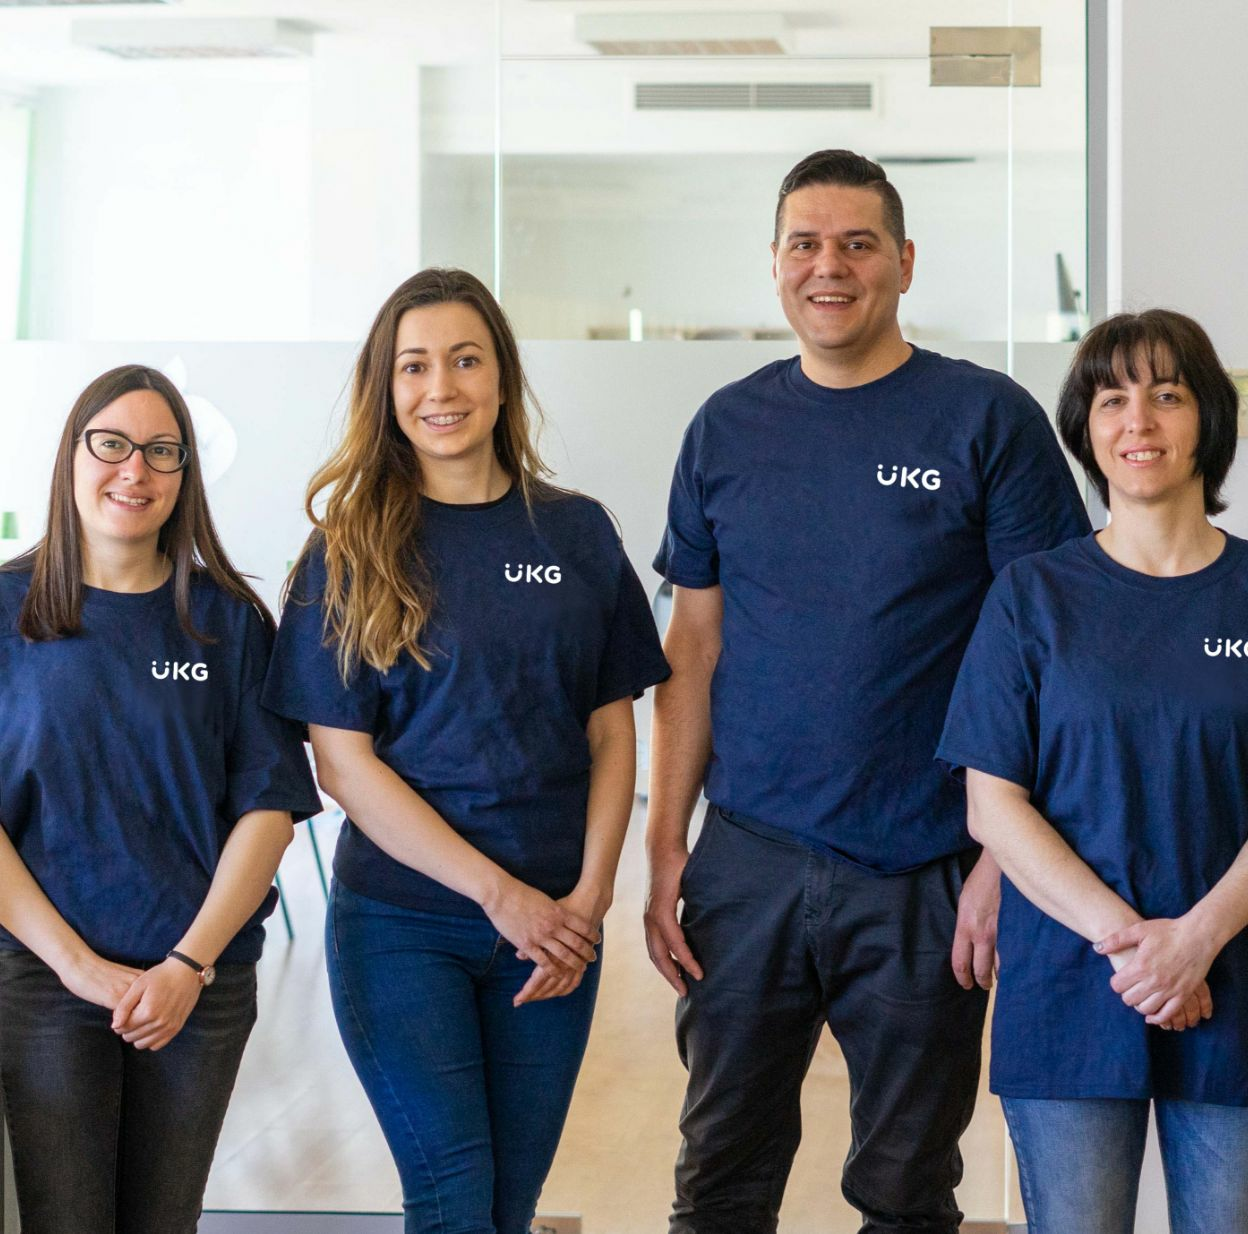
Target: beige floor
{"points": [[300, 1134]]}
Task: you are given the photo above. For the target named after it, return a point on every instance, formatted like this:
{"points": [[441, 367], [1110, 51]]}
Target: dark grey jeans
{"points": [[108, 1139], [789, 939]]}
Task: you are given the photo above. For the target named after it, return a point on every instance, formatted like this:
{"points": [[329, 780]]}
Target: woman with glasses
{"points": [[465, 642], [145, 801], [1101, 714]]}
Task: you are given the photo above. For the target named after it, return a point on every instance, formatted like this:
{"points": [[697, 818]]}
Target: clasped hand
{"points": [[149, 1007], [1162, 965], [559, 936]]}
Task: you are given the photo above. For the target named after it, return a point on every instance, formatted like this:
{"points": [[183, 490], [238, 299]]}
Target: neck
{"points": [[123, 567], [466, 481], [844, 370], [1164, 539]]}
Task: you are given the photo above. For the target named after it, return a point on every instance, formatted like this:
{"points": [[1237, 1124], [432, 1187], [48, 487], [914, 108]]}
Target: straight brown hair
{"points": [[378, 593], [53, 605]]}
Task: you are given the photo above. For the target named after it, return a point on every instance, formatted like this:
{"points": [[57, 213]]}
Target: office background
{"points": [[231, 201]]}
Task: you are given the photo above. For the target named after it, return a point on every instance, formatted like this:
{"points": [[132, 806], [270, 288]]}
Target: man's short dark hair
{"points": [[1171, 347], [846, 169]]}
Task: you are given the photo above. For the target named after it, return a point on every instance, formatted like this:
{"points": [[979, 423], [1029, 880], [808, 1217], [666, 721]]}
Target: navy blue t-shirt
{"points": [[1120, 701], [855, 533], [537, 622], [127, 754]]}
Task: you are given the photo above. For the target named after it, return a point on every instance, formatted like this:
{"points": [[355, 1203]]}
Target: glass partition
{"points": [[611, 169]]}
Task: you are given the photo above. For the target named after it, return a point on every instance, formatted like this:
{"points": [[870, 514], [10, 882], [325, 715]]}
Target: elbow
{"points": [[327, 777], [975, 821]]}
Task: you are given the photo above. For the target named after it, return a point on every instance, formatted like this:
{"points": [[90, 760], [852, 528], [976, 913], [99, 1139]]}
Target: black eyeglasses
{"points": [[112, 447]]}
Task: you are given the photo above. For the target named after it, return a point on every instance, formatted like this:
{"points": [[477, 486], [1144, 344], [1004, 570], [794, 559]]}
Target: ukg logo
{"points": [[179, 670], [1237, 647], [532, 574], [909, 477]]}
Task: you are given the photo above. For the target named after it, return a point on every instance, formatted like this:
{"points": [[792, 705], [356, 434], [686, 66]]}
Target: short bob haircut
{"points": [[1170, 347]]}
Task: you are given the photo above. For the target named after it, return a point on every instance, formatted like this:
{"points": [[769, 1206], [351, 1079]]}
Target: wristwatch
{"points": [[205, 972]]}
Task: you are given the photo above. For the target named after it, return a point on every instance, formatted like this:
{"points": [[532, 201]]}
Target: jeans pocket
{"points": [[711, 825]]}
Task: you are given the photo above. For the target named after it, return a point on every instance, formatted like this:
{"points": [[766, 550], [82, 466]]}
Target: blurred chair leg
{"points": [[281, 899], [316, 853]]}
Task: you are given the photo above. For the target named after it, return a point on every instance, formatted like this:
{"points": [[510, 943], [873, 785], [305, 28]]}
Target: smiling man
{"points": [[835, 521]]}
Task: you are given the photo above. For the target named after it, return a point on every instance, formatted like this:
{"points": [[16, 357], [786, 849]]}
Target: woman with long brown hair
{"points": [[465, 642], [145, 800]]}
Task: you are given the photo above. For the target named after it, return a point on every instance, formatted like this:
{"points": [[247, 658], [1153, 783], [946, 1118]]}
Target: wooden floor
{"points": [[300, 1134]]}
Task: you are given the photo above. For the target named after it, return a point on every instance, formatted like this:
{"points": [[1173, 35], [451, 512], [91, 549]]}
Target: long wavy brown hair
{"points": [[52, 608], [378, 593]]}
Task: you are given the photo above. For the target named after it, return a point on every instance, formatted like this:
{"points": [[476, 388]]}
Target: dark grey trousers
{"points": [[791, 939], [108, 1139]]}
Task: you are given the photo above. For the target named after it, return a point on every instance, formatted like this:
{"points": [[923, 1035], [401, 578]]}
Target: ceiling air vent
{"points": [[685, 34], [227, 38], [754, 96]]}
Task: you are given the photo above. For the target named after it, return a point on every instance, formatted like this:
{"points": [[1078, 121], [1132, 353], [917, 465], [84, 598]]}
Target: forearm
{"points": [[680, 747], [1223, 912], [404, 826], [28, 914], [242, 879], [612, 786], [1036, 859]]}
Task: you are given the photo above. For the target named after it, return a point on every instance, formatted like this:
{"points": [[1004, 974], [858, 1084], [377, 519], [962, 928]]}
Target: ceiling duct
{"points": [[685, 34], [754, 96], [229, 38]]}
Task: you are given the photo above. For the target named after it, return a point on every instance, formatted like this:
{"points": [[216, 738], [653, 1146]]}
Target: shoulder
{"points": [[14, 585], [982, 388], [575, 514], [222, 614], [1052, 572], [758, 386]]}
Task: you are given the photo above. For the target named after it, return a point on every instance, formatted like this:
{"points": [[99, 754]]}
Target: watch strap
{"points": [[186, 959]]}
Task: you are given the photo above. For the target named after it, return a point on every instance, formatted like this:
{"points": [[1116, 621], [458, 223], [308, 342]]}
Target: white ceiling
{"points": [[35, 47]]}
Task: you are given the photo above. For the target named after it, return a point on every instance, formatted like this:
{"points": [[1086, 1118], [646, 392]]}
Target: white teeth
{"points": [[832, 299], [443, 420], [1143, 456], [135, 502]]}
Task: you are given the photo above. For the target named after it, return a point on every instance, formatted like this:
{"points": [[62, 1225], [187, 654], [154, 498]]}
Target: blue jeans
{"points": [[470, 1091], [1079, 1163]]}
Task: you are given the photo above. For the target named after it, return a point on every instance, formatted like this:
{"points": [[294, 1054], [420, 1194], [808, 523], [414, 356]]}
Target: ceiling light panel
{"points": [[234, 38]]}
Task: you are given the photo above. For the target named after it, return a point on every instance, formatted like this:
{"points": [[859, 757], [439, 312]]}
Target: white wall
{"points": [[170, 213]]}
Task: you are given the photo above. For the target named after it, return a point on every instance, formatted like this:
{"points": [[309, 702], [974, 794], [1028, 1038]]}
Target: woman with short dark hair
{"points": [[145, 801], [465, 642], [1101, 714]]}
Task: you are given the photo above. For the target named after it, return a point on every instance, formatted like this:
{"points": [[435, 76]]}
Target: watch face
{"points": [[208, 975]]}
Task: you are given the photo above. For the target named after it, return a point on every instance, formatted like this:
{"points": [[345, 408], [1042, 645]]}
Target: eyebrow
{"points": [[852, 234], [158, 437], [424, 351]]}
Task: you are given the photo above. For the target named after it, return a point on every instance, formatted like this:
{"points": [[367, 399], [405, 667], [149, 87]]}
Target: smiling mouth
{"points": [[1142, 456], [830, 299], [130, 503], [445, 421]]}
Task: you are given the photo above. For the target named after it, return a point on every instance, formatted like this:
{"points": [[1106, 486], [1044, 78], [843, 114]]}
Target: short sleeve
{"points": [[266, 767], [991, 724], [1032, 502], [304, 682], [632, 659], [689, 555]]}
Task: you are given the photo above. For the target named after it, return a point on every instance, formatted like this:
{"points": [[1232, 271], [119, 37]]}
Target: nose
{"points": [[442, 384], [133, 468], [830, 261], [1141, 415]]}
